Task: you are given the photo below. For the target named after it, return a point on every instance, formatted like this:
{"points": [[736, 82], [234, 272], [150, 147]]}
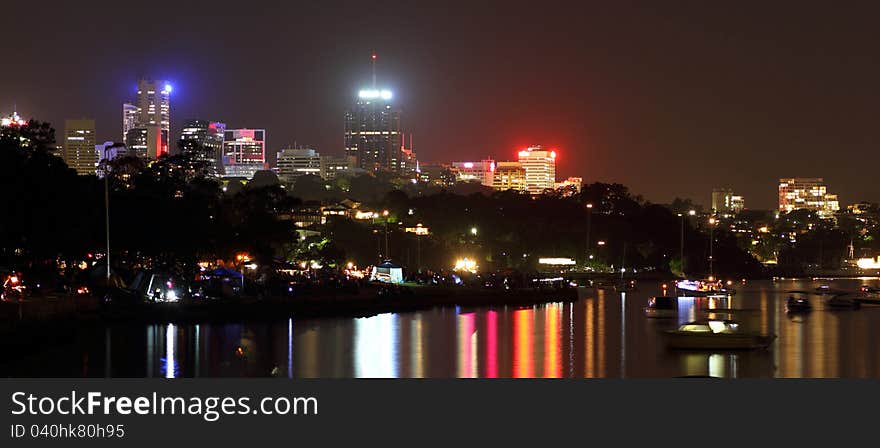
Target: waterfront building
{"points": [[807, 193], [540, 168], [244, 152], [78, 149]]}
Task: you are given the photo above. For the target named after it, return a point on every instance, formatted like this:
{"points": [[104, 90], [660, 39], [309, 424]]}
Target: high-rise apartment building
{"points": [[129, 118], [244, 152], [154, 109], [540, 168], [810, 193], [203, 140], [144, 141], [79, 146]]}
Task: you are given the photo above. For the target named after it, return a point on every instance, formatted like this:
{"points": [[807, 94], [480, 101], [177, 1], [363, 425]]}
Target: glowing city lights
{"points": [[868, 263], [465, 265], [372, 94], [556, 261]]}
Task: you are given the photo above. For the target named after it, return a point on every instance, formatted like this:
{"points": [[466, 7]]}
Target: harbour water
{"points": [[603, 334]]}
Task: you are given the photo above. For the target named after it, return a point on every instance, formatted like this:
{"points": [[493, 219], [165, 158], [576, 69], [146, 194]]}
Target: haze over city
{"points": [[670, 100]]}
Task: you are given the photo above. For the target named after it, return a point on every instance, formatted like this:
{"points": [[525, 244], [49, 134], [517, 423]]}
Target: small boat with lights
{"points": [[715, 335], [798, 302], [703, 288], [661, 307]]}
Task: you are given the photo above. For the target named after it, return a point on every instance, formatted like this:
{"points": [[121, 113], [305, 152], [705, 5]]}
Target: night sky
{"points": [[669, 98]]}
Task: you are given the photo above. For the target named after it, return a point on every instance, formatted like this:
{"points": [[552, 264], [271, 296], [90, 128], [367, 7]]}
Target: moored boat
{"points": [[715, 335], [704, 288], [661, 307], [797, 302]]}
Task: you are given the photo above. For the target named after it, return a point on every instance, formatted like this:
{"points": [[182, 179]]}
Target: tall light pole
{"points": [[711, 245], [681, 240], [589, 218], [107, 219], [387, 252]]}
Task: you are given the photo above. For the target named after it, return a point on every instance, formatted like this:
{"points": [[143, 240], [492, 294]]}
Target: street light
{"points": [[387, 252], [589, 218], [712, 222], [107, 218], [681, 240], [242, 259]]}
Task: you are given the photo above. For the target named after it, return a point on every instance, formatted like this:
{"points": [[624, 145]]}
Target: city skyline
{"points": [[765, 97]]}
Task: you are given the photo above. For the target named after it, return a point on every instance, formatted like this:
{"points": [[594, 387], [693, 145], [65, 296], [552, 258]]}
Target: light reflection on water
{"points": [[604, 334]]}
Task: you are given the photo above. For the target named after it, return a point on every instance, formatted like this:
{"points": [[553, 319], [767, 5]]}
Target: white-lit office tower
{"points": [[540, 168], [79, 146]]}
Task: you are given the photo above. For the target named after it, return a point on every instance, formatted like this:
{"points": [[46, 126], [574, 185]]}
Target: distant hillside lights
{"points": [[12, 120]]}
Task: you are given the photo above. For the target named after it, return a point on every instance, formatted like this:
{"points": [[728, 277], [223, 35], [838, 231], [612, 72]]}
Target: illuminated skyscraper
{"points": [[372, 130], [79, 146], [244, 152], [540, 168], [204, 141], [509, 176], [144, 141], [797, 193], [154, 109], [129, 118]]}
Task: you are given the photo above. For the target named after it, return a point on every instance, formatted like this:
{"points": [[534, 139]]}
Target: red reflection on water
{"points": [[466, 349], [491, 344], [552, 367], [523, 360]]}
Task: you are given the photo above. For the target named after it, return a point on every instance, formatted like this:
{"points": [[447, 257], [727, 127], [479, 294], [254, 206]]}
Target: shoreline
{"points": [[45, 311], [40, 323]]}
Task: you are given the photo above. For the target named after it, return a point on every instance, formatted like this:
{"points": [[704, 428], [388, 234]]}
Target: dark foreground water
{"points": [[604, 334]]}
